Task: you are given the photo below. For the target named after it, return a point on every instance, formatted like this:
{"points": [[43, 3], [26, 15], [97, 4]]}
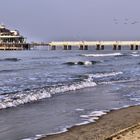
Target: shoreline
{"points": [[104, 127]]}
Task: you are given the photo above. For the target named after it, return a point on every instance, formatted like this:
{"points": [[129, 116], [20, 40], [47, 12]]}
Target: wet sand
{"points": [[130, 133], [106, 126]]}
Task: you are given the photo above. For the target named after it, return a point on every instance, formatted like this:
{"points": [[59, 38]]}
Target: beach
{"points": [[103, 128], [50, 91]]}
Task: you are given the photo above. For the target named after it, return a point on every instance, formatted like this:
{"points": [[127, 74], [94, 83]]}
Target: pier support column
{"points": [[102, 47], [98, 47], [136, 47], [81, 47], [114, 47], [119, 47], [69, 47], [86, 47], [132, 47], [53, 48], [65, 47]]}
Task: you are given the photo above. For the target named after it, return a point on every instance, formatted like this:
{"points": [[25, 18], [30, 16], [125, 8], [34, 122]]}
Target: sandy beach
{"points": [[106, 126]]}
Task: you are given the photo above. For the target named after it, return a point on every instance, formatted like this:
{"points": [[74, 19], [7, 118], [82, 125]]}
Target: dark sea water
{"points": [[44, 92]]}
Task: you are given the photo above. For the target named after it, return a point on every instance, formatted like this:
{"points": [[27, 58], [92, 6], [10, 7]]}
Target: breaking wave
{"points": [[13, 100], [23, 97], [101, 75], [102, 55], [135, 55], [82, 63]]}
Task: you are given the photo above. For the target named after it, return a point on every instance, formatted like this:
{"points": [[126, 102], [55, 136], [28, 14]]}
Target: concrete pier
{"points": [[99, 45]]}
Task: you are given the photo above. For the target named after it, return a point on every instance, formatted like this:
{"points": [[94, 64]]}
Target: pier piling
{"points": [[65, 47], [53, 48], [132, 47], [119, 47], [81, 47], [114, 47], [136, 47], [98, 47], [69, 47], [86, 47], [102, 47]]}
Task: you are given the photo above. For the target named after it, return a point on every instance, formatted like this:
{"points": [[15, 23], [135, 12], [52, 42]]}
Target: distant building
{"points": [[11, 40]]}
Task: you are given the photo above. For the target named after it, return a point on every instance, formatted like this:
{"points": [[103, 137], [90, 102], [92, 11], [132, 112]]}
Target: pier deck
{"points": [[100, 45]]}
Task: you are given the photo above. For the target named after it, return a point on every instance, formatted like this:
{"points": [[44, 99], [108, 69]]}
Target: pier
{"points": [[12, 40], [99, 45], [69, 45], [15, 46]]}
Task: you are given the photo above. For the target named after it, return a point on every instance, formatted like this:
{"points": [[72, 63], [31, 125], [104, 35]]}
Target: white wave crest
{"points": [[82, 63], [102, 55], [13, 100], [135, 55], [101, 75], [88, 63]]}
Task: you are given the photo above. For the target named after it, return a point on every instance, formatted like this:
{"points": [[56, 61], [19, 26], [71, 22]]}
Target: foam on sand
{"points": [[93, 116]]}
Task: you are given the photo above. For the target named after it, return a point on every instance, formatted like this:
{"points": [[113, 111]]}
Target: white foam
{"points": [[97, 113], [13, 100], [119, 81], [88, 63], [100, 75], [84, 63], [93, 116], [38, 136], [102, 55], [28, 139], [135, 55], [93, 119], [84, 116], [134, 52], [135, 99], [79, 109], [81, 63], [82, 123], [59, 132]]}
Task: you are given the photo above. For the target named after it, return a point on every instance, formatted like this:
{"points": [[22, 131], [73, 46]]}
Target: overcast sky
{"points": [[48, 20]]}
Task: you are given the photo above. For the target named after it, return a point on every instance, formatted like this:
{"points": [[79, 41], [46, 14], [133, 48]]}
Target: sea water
{"points": [[45, 92]]}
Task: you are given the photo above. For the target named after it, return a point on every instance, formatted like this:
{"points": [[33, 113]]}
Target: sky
{"points": [[61, 20]]}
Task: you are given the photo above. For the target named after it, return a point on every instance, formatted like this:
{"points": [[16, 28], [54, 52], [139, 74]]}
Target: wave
{"points": [[102, 55], [12, 70], [23, 97], [135, 55], [19, 98], [101, 75], [82, 63], [10, 59]]}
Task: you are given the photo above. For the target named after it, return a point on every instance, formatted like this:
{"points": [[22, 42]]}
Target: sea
{"points": [[44, 92]]}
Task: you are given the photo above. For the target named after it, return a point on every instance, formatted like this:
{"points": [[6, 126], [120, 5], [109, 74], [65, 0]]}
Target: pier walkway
{"points": [[100, 45]]}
